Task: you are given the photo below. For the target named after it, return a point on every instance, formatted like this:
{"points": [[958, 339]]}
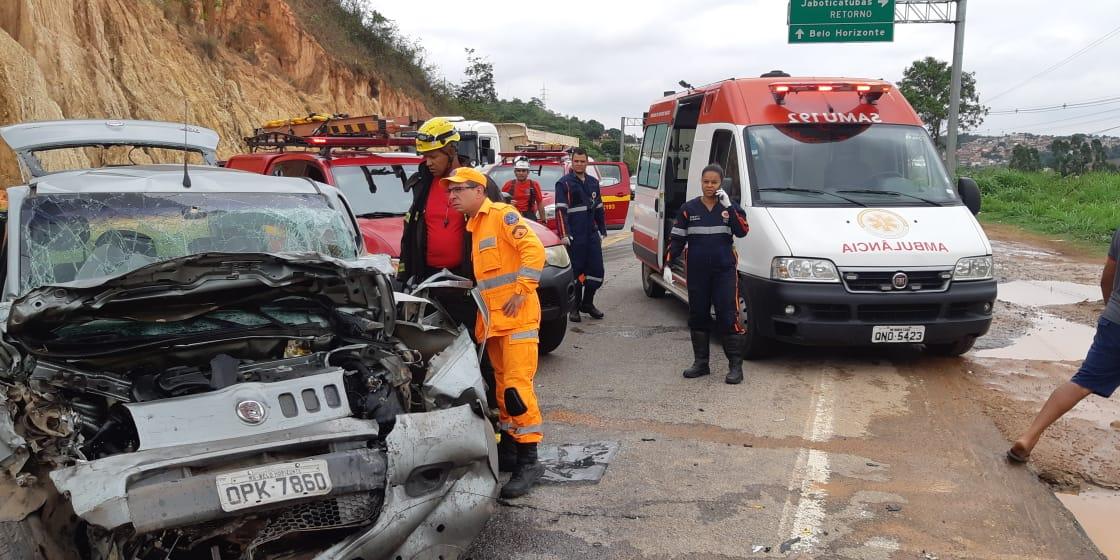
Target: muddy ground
{"points": [[1042, 328]]}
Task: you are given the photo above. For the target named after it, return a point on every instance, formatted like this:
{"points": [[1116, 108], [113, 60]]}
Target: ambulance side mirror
{"points": [[970, 194]]}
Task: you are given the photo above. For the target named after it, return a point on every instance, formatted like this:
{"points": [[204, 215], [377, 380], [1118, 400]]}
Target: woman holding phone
{"points": [[707, 225]]}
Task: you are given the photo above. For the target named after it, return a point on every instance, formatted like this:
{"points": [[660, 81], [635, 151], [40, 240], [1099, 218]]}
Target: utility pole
{"points": [[622, 139], [942, 11], [955, 89]]}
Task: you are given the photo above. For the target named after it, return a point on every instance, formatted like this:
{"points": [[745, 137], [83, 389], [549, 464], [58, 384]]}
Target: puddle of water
{"points": [[631, 332], [1049, 338], [1047, 292], [1004, 248], [1097, 511]]}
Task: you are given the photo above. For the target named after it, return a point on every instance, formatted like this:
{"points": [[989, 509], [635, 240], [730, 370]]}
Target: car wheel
{"points": [[755, 345], [651, 288], [552, 334], [955, 348]]}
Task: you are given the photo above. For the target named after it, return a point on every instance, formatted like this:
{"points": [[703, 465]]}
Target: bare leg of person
{"points": [[1060, 402]]}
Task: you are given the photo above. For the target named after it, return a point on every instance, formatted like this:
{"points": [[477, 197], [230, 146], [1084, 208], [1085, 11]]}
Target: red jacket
{"points": [[526, 196]]}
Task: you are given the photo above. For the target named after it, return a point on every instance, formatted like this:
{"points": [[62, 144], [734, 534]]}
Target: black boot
{"points": [[700, 355], [733, 348], [573, 313], [507, 453], [588, 304], [527, 473]]}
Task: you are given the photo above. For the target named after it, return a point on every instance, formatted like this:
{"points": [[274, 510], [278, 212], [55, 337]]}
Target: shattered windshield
{"points": [[100, 235], [387, 196]]}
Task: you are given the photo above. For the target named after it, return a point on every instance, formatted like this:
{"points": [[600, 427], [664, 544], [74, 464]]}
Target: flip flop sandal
{"points": [[1016, 458]]}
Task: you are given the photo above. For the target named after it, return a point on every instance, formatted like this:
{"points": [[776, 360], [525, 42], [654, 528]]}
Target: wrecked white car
{"points": [[214, 371]]}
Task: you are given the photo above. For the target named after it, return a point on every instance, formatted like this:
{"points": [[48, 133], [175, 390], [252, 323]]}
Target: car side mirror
{"points": [[507, 197], [491, 156], [970, 194]]}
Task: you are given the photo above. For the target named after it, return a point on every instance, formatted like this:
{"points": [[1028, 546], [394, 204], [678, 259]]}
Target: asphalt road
{"points": [[841, 453]]}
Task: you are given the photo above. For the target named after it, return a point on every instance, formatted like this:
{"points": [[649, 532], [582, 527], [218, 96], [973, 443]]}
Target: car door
{"points": [[614, 187], [648, 205]]}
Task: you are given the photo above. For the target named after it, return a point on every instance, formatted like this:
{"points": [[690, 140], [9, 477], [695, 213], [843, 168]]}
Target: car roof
{"points": [[168, 178]]}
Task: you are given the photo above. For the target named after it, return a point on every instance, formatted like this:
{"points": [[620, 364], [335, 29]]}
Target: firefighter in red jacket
{"points": [[526, 192]]}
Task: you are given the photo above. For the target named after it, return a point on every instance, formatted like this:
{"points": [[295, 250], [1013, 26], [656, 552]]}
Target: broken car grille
{"points": [[348, 510]]}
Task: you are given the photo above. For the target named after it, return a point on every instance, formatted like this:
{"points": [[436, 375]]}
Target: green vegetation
{"points": [[370, 44], [925, 83], [1082, 208]]}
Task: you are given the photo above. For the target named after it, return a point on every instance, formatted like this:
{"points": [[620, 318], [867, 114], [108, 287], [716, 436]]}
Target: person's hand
{"points": [[667, 274], [513, 305], [725, 200]]}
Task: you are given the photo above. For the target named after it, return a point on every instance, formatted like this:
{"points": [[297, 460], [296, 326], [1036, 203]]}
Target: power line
{"points": [[1075, 118], [1106, 129], [1058, 64], [1061, 107]]}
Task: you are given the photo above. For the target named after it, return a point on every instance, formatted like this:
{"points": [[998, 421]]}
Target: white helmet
{"points": [[521, 164]]}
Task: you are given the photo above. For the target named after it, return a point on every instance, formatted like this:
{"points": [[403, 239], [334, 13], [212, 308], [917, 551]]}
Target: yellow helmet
{"points": [[434, 134]]}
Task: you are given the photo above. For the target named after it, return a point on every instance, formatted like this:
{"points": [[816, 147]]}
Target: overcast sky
{"points": [[606, 59]]}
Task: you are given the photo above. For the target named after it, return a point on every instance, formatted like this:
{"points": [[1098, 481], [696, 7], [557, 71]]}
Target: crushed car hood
{"points": [[194, 285]]}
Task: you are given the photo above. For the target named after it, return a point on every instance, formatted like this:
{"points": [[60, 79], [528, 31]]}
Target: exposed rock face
{"points": [[235, 63]]}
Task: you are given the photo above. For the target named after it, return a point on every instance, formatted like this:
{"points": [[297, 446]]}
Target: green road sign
{"points": [[842, 33], [840, 11]]}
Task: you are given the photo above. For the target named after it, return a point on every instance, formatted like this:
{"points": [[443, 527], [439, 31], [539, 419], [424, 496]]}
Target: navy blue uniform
{"points": [[710, 264], [579, 208]]}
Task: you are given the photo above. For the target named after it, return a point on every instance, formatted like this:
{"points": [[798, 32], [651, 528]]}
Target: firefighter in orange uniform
{"points": [[507, 258]]}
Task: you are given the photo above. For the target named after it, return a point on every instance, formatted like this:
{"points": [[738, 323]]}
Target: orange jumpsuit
{"points": [[508, 259]]}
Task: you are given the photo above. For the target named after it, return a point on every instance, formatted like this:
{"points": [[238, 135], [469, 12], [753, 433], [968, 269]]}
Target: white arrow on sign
{"points": [[883, 3], [799, 33]]}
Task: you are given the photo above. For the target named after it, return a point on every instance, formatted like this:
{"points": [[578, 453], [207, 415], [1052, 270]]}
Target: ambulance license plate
{"points": [[894, 334], [272, 483]]}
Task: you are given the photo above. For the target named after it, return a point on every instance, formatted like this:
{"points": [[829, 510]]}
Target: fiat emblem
{"points": [[900, 280], [251, 412]]}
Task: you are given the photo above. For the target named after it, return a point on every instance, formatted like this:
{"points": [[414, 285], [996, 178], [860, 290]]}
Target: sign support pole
{"points": [[955, 90]]}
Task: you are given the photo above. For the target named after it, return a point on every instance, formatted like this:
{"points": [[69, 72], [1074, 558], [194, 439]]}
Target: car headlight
{"points": [[796, 269], [557, 256], [973, 268], [550, 211]]}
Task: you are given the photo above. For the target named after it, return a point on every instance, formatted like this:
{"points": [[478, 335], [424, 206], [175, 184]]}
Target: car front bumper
{"points": [[557, 292], [829, 315]]}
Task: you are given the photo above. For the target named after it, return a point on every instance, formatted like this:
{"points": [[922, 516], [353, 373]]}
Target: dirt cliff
{"points": [[236, 64]]}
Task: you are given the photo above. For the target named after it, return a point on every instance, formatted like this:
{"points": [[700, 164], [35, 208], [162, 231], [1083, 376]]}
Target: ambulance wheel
{"points": [[755, 345], [651, 288], [955, 348], [552, 334]]}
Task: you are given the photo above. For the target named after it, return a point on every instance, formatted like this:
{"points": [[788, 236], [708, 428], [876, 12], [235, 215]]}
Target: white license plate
{"points": [[889, 334], [272, 483]]}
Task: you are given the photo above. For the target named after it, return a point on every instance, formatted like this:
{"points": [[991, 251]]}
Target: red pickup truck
{"points": [[373, 185]]}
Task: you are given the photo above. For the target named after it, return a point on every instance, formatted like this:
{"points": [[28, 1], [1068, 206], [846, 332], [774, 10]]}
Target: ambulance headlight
{"points": [[794, 269], [549, 211], [973, 268], [557, 256]]}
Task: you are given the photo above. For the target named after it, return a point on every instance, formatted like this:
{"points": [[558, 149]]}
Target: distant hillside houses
{"points": [[995, 151]]}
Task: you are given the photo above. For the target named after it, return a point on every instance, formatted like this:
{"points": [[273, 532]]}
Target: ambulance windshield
{"points": [[860, 164]]}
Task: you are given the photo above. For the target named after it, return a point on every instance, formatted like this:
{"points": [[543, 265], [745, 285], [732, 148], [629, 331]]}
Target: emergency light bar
{"points": [[869, 93]]}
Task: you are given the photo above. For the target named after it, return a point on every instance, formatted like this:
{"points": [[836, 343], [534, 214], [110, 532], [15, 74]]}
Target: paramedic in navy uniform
{"points": [[706, 225]]}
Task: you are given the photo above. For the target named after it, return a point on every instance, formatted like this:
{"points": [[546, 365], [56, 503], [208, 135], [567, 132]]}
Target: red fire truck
{"points": [[362, 157], [548, 163]]}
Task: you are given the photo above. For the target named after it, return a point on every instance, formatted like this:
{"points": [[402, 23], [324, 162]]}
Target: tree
{"points": [[479, 85], [1025, 158], [926, 84]]}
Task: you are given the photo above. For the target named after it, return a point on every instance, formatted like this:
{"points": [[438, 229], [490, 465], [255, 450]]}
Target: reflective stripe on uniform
{"points": [[509, 427], [524, 335], [589, 277], [575, 209], [497, 281], [560, 205], [600, 205], [530, 429], [488, 243], [530, 273], [709, 230], [679, 232]]}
